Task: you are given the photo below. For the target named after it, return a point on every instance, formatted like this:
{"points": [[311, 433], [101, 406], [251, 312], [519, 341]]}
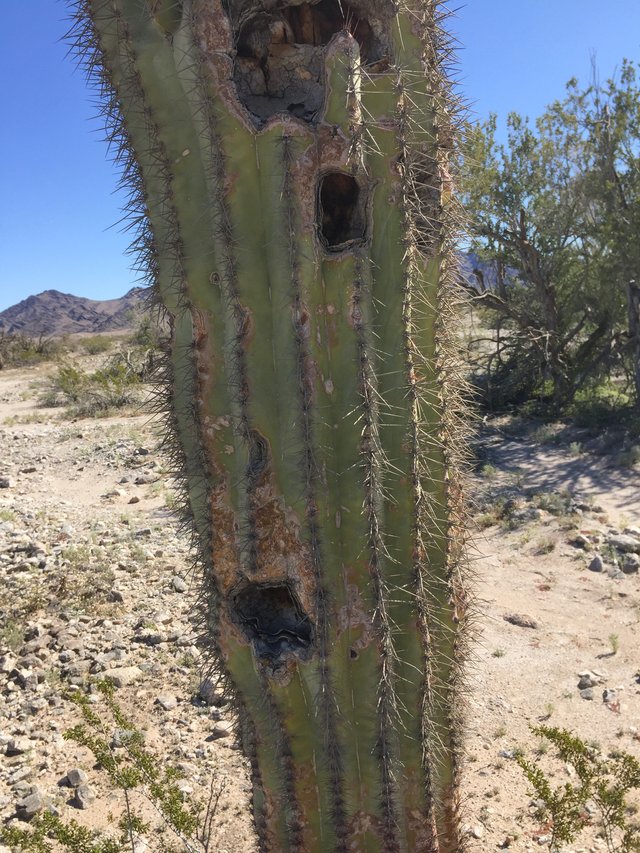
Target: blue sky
{"points": [[59, 211]]}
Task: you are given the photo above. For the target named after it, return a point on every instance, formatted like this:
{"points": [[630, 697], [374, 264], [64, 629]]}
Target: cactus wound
{"points": [[272, 619], [280, 55], [341, 214]]}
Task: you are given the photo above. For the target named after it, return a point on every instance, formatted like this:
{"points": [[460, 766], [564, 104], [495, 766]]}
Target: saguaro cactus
{"points": [[288, 170]]}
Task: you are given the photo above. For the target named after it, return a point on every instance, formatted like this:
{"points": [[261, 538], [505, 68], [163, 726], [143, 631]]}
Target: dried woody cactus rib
{"points": [[287, 169]]}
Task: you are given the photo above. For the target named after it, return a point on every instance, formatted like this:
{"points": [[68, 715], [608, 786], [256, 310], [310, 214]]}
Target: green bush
{"points": [[19, 349], [603, 782], [114, 386], [134, 767], [97, 344]]}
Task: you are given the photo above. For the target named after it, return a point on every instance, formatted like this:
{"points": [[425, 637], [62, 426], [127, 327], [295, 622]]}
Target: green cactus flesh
{"points": [[287, 163]]}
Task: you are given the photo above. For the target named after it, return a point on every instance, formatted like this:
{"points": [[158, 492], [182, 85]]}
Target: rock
{"points": [[123, 676], [146, 479], [587, 693], [121, 737], [178, 584], [520, 619], [76, 777], [19, 745], [630, 564], [134, 500], [632, 531], [581, 541], [596, 564], [212, 694], [167, 701], [625, 543], [222, 729], [29, 806], [587, 679], [84, 797], [114, 596], [6, 483]]}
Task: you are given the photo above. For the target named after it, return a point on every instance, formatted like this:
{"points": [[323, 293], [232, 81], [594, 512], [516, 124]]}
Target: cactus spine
{"points": [[288, 172]]}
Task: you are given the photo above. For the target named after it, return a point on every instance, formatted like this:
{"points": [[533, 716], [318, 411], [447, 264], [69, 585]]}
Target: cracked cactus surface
{"points": [[288, 172]]}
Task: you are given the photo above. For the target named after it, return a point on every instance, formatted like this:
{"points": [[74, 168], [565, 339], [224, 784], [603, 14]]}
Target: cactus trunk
{"points": [[288, 171]]}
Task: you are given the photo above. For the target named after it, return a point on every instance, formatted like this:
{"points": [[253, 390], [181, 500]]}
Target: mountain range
{"points": [[52, 313]]}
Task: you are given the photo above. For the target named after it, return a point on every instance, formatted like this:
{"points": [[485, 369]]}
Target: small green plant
{"points": [[545, 545], [606, 783], [488, 471], [11, 634], [614, 642], [97, 344], [113, 386], [575, 448], [629, 457], [133, 767], [545, 434], [555, 503], [498, 653]]}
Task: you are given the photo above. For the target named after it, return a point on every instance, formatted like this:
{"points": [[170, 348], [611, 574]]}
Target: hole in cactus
{"points": [[279, 64], [353, 654], [341, 214], [273, 620]]}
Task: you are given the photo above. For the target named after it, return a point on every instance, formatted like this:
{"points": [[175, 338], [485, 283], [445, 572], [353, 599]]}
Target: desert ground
{"points": [[96, 583]]}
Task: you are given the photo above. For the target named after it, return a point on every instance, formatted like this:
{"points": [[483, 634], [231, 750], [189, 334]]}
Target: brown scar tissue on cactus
{"points": [[287, 165]]}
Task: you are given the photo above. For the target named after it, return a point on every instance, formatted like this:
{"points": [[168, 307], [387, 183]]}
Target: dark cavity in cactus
{"points": [[287, 165]]}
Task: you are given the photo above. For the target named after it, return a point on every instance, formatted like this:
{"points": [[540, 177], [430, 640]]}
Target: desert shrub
{"points": [[114, 386], [18, 349], [603, 782], [133, 768], [97, 344]]}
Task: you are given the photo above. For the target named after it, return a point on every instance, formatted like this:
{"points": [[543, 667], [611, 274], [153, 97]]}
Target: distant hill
{"points": [[52, 313]]}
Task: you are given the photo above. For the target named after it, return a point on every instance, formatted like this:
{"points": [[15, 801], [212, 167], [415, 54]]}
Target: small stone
{"points": [[146, 479], [632, 531], [121, 737], [143, 533], [29, 806], [212, 694], [597, 564], [84, 797], [630, 564], [134, 500], [19, 745], [115, 596], [6, 483], [625, 543], [587, 679], [178, 584], [581, 541], [123, 676], [167, 701], [520, 619], [222, 729], [76, 777], [587, 693]]}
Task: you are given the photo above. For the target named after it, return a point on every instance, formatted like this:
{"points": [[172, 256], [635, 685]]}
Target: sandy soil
{"points": [[524, 564]]}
